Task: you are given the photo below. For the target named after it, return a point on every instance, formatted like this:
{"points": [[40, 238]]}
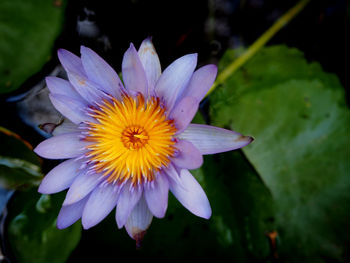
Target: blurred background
{"points": [[286, 198]]}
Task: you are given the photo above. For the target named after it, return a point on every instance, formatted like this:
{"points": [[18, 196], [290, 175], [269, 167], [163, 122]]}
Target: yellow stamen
{"points": [[132, 139]]}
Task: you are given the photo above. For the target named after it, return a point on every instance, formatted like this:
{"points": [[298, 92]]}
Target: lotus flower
{"points": [[131, 142]]}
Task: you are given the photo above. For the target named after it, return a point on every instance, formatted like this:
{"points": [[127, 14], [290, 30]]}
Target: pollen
{"points": [[131, 139]]}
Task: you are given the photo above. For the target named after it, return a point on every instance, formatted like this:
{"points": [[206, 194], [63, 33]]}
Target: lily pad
{"points": [[28, 30], [301, 124]]}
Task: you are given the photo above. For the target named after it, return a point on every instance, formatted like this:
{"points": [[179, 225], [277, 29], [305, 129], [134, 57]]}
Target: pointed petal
{"points": [[128, 198], [134, 76], [69, 214], [60, 177], [189, 156], [65, 127], [139, 220], [100, 72], [63, 87], [192, 196], [210, 139], [87, 89], [61, 147], [101, 202], [184, 112], [156, 195], [174, 79], [201, 81], [70, 62], [71, 108], [81, 187], [172, 174], [150, 62]]}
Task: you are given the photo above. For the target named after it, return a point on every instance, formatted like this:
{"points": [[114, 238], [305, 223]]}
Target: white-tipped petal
{"points": [[139, 220], [209, 139], [150, 62]]}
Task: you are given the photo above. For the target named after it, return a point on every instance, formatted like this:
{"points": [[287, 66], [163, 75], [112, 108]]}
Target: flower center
{"points": [[131, 139]]}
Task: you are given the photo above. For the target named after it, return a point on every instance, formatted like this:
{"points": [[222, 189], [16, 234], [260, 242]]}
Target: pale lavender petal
{"points": [[139, 220], [87, 89], [62, 86], [189, 156], [60, 177], [156, 195], [69, 214], [83, 184], [134, 76], [184, 112], [101, 202], [210, 139], [172, 174], [128, 198], [71, 108], [191, 195], [174, 79], [100, 72], [201, 81], [61, 147], [65, 127], [70, 62], [150, 62]]}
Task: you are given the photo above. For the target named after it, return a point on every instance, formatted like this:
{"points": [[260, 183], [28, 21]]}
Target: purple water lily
{"points": [[132, 142]]}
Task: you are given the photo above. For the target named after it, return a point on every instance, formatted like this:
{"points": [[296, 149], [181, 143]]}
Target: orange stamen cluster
{"points": [[132, 139]]}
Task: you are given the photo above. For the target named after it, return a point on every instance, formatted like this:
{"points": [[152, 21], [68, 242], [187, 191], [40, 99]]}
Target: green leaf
{"points": [[19, 166], [32, 232], [28, 30], [301, 124]]}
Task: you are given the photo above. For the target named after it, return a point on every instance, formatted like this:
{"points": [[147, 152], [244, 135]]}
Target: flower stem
{"points": [[259, 43]]}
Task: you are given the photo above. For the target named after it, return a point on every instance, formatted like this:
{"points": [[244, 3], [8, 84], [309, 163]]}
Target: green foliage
{"points": [[19, 165], [32, 231], [301, 124], [28, 30]]}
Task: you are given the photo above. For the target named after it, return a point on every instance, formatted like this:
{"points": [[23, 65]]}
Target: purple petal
{"points": [[61, 147], [71, 108], [201, 81], [69, 214], [139, 220], [150, 62], [81, 187], [60, 177], [62, 87], [101, 202], [128, 198], [70, 62], [88, 90], [100, 72], [174, 79], [134, 76], [192, 196], [189, 156], [156, 195], [184, 112], [171, 172], [210, 139], [65, 127]]}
